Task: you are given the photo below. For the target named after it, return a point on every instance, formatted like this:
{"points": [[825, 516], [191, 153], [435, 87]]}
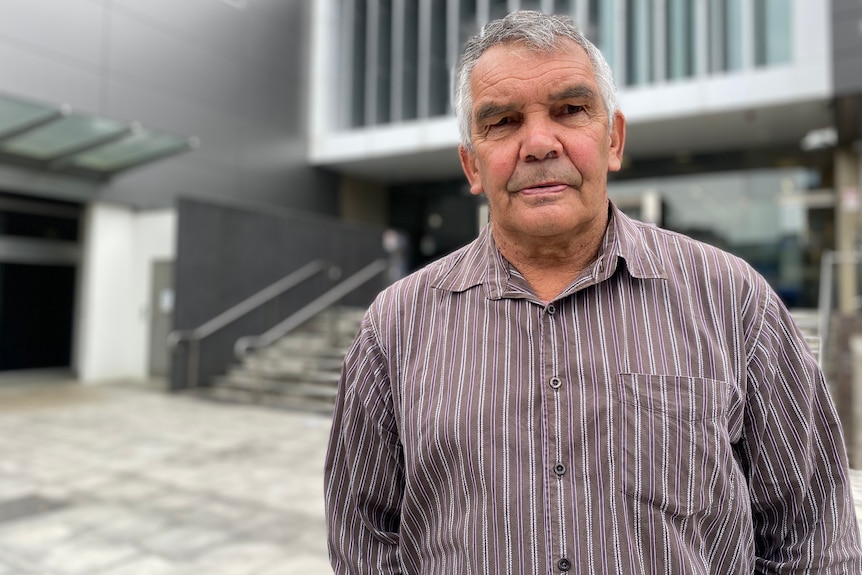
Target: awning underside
{"points": [[57, 139]]}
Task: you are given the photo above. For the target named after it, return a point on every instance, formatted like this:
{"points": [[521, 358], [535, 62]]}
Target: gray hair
{"points": [[536, 31]]}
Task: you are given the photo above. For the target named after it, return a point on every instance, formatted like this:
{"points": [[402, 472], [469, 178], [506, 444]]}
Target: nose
{"points": [[540, 141]]}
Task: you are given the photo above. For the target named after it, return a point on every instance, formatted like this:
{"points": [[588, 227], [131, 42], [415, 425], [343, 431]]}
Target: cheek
{"points": [[589, 159]]}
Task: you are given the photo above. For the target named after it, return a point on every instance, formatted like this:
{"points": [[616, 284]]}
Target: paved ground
{"points": [[127, 480], [130, 480]]}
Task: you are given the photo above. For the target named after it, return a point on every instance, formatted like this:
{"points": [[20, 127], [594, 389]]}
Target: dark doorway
{"points": [[36, 315]]}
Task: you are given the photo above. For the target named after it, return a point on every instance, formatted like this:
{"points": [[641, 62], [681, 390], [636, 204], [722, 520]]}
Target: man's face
{"points": [[541, 146]]}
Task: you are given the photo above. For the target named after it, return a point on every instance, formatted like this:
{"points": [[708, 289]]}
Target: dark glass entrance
{"points": [[39, 256], [36, 315]]}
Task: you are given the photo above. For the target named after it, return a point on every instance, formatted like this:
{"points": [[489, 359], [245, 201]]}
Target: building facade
{"points": [[743, 130], [740, 114], [109, 113]]}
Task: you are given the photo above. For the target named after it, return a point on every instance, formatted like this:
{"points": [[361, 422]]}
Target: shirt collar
{"points": [[481, 263]]}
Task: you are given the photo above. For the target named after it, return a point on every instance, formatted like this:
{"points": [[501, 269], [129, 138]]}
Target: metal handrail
{"points": [[246, 343], [194, 336]]}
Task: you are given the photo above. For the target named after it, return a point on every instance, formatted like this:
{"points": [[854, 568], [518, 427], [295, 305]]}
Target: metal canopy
{"points": [[57, 139]]}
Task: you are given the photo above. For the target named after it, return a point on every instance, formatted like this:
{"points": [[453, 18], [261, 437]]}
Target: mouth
{"points": [[543, 189]]}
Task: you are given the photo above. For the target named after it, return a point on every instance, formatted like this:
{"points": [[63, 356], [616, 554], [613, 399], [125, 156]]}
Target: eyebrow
{"points": [[487, 111], [579, 92]]}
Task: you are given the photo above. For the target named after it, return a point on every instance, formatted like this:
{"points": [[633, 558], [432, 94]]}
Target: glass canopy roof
{"points": [[58, 139]]}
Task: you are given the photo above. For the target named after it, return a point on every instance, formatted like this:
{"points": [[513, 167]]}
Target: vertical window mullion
{"points": [[453, 46], [424, 72], [716, 36], [659, 41], [372, 37], [396, 97], [483, 12], [347, 36]]}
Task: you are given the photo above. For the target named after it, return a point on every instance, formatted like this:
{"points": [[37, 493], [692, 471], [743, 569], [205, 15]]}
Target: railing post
{"points": [[194, 363]]}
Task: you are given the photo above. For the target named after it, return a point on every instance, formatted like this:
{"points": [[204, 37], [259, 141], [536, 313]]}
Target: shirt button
{"points": [[551, 309], [560, 469], [564, 564], [555, 382]]}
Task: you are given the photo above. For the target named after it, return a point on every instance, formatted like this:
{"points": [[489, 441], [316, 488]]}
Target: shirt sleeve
{"points": [[363, 474], [794, 456]]}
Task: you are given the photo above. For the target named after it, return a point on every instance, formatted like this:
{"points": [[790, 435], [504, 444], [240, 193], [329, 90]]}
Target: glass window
{"points": [[593, 30], [384, 58], [410, 88], [759, 215], [498, 9], [639, 48], [356, 57], [733, 39], [439, 80], [680, 48], [772, 32]]}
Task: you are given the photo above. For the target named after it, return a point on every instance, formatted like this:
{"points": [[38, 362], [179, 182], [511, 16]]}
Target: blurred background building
{"points": [[161, 161]]}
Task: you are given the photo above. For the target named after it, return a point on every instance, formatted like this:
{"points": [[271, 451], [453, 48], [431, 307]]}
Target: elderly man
{"points": [[575, 390]]}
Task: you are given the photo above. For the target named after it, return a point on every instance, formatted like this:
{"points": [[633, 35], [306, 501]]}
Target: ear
{"points": [[617, 143], [469, 164]]}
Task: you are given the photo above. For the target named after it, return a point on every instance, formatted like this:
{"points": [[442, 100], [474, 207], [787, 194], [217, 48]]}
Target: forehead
{"points": [[505, 69]]}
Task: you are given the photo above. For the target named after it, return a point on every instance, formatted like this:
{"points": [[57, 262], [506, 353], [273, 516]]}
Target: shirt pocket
{"points": [[673, 440]]}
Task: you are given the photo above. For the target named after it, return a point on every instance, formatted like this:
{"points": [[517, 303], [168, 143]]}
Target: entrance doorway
{"points": [[36, 315], [39, 256]]}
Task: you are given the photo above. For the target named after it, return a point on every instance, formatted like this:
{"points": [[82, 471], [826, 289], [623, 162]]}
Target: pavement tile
{"points": [[300, 564], [32, 537], [242, 558], [133, 525], [85, 555], [184, 543], [166, 484], [145, 566]]}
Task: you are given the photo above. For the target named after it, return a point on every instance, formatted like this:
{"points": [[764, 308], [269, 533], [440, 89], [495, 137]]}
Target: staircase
{"points": [[808, 321], [300, 371]]}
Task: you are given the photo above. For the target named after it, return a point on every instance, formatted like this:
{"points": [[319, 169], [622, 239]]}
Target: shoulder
{"points": [[684, 257], [415, 294], [697, 270]]}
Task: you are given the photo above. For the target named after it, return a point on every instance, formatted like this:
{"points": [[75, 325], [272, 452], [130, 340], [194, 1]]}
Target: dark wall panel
{"points": [[847, 46], [226, 253]]}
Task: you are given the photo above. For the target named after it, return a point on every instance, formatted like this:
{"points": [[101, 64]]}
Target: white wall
{"points": [[112, 331]]}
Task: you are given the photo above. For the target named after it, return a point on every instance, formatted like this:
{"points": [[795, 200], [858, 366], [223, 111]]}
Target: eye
{"points": [[501, 122], [572, 109]]}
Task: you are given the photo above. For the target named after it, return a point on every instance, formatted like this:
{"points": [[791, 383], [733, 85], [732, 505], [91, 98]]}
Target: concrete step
{"points": [[300, 371], [275, 362], [243, 375], [305, 403]]}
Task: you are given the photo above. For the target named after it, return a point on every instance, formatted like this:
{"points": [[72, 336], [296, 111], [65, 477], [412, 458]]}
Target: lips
{"points": [[545, 188]]}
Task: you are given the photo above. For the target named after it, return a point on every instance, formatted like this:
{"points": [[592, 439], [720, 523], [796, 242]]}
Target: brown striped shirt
{"points": [[662, 415]]}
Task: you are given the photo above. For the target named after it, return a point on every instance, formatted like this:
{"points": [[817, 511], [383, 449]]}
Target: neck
{"points": [[550, 264]]}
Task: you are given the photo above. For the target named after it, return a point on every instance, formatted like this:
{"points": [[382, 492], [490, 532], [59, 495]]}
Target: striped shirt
{"points": [[662, 415]]}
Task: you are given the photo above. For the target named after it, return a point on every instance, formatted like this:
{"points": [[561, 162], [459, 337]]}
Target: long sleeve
{"points": [[794, 456], [364, 466]]}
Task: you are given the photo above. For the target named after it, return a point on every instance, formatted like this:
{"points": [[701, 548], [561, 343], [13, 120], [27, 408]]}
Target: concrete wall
{"points": [[847, 46], [231, 73]]}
